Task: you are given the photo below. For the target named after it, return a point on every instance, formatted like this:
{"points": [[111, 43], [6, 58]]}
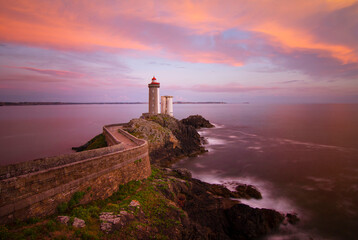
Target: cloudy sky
{"points": [[295, 51]]}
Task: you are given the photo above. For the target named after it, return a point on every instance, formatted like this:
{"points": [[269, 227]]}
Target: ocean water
{"points": [[303, 158]]}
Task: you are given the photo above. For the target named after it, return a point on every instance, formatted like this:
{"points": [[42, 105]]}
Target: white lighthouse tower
{"points": [[154, 107]]}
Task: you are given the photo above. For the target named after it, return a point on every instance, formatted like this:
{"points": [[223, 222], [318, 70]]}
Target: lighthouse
{"points": [[154, 107]]}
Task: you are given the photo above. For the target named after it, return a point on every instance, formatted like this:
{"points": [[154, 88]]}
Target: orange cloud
{"points": [[43, 24], [285, 22], [143, 26], [296, 39]]}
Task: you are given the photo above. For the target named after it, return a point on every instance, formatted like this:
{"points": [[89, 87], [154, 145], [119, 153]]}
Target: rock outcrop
{"points": [[168, 138], [211, 214], [248, 191], [197, 122], [78, 223], [111, 221], [158, 137]]}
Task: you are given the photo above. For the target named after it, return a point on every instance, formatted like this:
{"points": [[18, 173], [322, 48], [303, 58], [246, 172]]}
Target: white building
{"points": [[154, 86], [167, 105], [154, 105]]}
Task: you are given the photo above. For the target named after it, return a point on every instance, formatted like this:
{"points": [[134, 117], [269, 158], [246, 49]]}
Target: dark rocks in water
{"points": [[247, 191], [197, 122], [242, 191], [183, 172], [219, 190], [213, 217], [251, 223], [292, 218], [209, 211]]}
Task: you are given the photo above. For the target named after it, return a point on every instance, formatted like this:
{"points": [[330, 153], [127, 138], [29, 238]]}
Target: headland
{"points": [[128, 190]]}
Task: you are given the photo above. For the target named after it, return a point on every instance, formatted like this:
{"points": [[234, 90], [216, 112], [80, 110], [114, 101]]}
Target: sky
{"points": [[259, 51]]}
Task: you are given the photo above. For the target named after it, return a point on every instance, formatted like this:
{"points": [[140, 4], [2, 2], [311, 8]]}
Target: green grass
{"points": [[136, 134], [98, 141], [155, 207], [75, 200]]}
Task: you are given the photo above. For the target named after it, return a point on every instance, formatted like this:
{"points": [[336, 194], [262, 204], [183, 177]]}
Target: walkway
{"points": [[127, 143]]}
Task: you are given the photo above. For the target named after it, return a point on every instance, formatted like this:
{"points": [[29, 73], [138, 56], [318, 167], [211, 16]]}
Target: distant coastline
{"points": [[83, 103]]}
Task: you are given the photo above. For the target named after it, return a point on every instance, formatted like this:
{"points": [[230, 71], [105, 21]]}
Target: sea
{"points": [[303, 158]]}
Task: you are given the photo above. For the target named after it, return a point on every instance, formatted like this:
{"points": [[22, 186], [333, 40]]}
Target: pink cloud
{"points": [[297, 35], [29, 78], [225, 88], [50, 72]]}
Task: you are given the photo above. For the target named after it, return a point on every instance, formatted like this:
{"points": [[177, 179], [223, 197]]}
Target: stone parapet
{"points": [[35, 188]]}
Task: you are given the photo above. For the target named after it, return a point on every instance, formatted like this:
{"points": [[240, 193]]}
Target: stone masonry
{"points": [[36, 190]]}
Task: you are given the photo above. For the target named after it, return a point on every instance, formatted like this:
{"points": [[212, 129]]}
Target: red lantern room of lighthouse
{"points": [[154, 104], [154, 80]]}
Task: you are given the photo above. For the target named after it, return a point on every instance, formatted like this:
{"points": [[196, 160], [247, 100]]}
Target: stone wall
{"points": [[14, 170], [110, 139], [97, 172]]}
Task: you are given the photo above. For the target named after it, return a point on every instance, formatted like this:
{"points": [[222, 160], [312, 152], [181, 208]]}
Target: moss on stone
{"points": [[155, 213], [98, 141]]}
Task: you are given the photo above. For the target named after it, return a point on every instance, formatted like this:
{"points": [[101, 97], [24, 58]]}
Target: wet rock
{"points": [[78, 223], [63, 219], [250, 223], [219, 190], [292, 218], [214, 217], [183, 173], [247, 191], [197, 122]]}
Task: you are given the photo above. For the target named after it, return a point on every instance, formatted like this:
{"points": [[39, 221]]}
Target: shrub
{"points": [[62, 207], [76, 198], [51, 226], [4, 233]]}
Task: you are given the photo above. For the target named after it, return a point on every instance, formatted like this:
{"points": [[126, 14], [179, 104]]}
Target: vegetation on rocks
{"points": [[98, 141], [170, 204], [157, 136], [169, 139], [187, 136]]}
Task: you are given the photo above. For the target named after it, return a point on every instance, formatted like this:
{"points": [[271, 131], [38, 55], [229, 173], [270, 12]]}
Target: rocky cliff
{"points": [[170, 204], [168, 138]]}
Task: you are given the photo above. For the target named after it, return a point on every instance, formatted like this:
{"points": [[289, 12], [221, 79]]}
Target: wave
{"points": [[282, 141], [217, 125], [270, 200]]}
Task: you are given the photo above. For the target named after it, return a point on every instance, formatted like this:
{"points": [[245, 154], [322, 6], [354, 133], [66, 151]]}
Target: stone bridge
{"points": [[37, 187]]}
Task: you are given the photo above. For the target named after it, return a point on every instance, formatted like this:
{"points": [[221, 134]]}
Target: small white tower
{"points": [[154, 86], [167, 105]]}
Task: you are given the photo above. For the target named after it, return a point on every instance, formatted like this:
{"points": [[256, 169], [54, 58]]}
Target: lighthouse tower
{"points": [[154, 107]]}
